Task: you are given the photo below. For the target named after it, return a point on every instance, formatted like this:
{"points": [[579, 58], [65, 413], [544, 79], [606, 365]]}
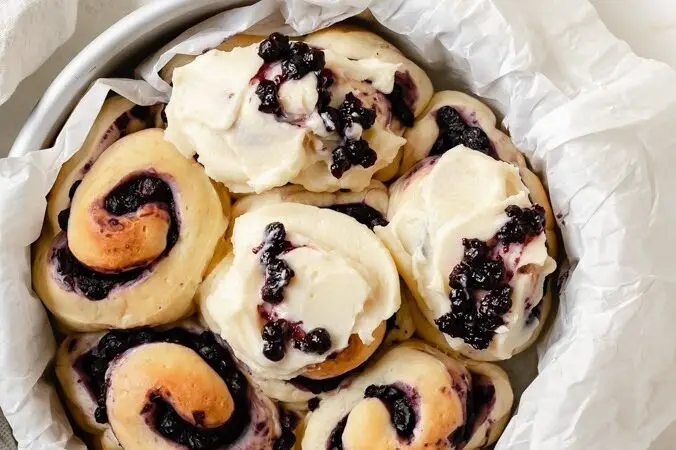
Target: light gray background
{"points": [[648, 25]]}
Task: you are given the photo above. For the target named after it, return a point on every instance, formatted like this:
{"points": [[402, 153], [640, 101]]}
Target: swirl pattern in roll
{"points": [[303, 296], [326, 112], [414, 397], [473, 248], [175, 386], [116, 255]]}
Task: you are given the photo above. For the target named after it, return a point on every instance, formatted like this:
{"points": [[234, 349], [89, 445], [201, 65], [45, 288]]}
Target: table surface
{"points": [[649, 26]]}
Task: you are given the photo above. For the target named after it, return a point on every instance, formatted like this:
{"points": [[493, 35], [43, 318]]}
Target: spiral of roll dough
{"points": [[141, 229], [251, 151], [413, 397], [344, 281], [128, 389], [463, 194]]}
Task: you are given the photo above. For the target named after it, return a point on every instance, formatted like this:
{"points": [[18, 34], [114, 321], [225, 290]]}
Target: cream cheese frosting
{"points": [[463, 194], [213, 113], [345, 281]]}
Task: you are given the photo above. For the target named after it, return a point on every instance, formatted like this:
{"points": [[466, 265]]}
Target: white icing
{"points": [[345, 281], [213, 112], [464, 195]]}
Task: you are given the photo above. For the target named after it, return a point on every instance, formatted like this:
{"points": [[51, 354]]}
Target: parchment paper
{"points": [[595, 120]]}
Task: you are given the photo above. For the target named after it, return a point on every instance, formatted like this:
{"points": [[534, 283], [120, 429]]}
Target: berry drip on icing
{"points": [[277, 332], [362, 213], [93, 366], [480, 293], [523, 225], [297, 60], [289, 421], [453, 131], [480, 296], [398, 403], [124, 199], [335, 441], [351, 119]]}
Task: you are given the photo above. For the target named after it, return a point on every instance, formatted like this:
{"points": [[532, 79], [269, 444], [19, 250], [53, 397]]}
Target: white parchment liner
{"points": [[598, 122]]}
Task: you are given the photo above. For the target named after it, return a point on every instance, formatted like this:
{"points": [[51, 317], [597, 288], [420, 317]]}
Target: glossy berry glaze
{"points": [[276, 332], [480, 292], [124, 199], [453, 131], [401, 403], [159, 414]]}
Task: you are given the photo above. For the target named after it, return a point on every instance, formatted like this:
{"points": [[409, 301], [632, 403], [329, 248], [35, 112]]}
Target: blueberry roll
{"points": [[313, 112], [302, 299], [474, 245], [134, 237], [165, 388], [413, 397]]}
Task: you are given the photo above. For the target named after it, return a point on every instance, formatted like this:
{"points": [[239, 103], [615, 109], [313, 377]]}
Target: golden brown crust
{"points": [[163, 295], [354, 355]]}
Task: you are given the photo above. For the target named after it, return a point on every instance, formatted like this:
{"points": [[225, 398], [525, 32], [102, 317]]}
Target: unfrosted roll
{"points": [[414, 397], [175, 386], [135, 235]]}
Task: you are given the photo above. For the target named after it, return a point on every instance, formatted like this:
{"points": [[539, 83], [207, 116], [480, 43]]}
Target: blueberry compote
{"points": [[480, 293], [362, 213], [399, 404], [402, 98], [158, 412], [277, 333], [336, 437], [126, 198], [289, 421], [480, 400], [453, 131], [297, 60]]}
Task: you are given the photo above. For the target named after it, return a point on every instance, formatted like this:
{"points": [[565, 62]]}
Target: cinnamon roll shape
{"points": [[134, 238], [326, 112], [303, 298], [414, 397], [165, 388], [473, 237]]}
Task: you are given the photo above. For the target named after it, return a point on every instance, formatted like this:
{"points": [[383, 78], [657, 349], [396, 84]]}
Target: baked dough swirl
{"points": [[116, 255], [414, 397], [303, 296], [164, 388]]}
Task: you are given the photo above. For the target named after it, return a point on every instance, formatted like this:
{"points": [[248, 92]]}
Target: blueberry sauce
{"points": [[399, 404], [523, 224], [277, 333], [362, 213], [313, 403], [353, 150], [402, 98], [124, 199], [453, 131], [288, 420], [480, 293], [93, 365], [335, 441], [320, 386], [481, 398], [472, 318]]}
